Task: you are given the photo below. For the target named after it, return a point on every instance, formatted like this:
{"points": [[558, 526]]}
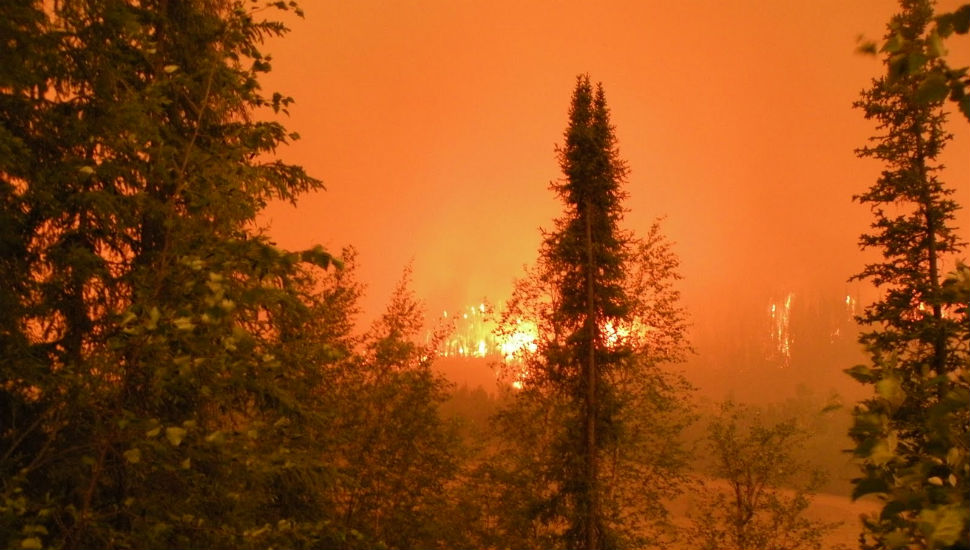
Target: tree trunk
{"points": [[592, 488], [939, 335]]}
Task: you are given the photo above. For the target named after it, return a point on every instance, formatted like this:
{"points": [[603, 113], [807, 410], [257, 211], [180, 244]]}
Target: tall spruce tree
{"points": [[912, 436], [588, 250], [594, 378]]}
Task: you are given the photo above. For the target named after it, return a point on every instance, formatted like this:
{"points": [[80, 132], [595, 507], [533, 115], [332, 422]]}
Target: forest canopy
{"points": [[171, 377]]}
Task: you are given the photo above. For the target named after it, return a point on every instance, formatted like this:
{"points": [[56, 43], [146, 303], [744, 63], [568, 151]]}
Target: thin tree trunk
{"points": [[592, 496], [939, 338]]}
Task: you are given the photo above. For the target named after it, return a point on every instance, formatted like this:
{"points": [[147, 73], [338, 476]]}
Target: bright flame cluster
{"points": [[523, 338], [471, 335], [633, 333], [780, 327], [850, 305]]}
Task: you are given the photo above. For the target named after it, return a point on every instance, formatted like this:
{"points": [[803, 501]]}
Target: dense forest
{"points": [[169, 377]]}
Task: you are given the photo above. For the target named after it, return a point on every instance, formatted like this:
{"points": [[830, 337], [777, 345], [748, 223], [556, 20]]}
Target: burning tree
{"points": [[595, 414]]}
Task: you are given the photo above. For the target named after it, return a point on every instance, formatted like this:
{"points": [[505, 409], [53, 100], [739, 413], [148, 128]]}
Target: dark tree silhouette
{"points": [[912, 436], [607, 316]]}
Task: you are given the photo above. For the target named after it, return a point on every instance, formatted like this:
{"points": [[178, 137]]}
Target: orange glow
{"points": [[922, 309], [850, 305], [522, 341], [613, 335], [473, 335], [470, 335], [432, 125], [780, 333], [634, 334]]}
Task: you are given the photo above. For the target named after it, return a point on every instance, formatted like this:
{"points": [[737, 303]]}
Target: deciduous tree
{"points": [[396, 455], [937, 80], [143, 398], [767, 488]]}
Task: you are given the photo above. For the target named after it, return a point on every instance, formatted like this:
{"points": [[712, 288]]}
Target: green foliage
{"points": [[766, 489], [924, 56], [168, 376], [143, 398], [915, 456], [911, 436], [589, 432], [395, 454]]}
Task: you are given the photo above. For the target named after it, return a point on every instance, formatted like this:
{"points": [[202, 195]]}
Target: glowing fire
{"points": [[923, 310], [522, 339], [613, 335], [471, 333], [850, 305], [780, 332], [635, 333]]}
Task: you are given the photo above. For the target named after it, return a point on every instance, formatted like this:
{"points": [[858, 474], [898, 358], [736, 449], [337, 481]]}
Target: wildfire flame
{"points": [[779, 314], [850, 305], [471, 335], [522, 339]]}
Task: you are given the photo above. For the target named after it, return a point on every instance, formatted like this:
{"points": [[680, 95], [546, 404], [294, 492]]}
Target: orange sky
{"points": [[432, 124]]}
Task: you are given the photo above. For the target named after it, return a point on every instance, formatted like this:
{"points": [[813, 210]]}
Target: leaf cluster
{"points": [[923, 57], [910, 437], [911, 440], [759, 491]]}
